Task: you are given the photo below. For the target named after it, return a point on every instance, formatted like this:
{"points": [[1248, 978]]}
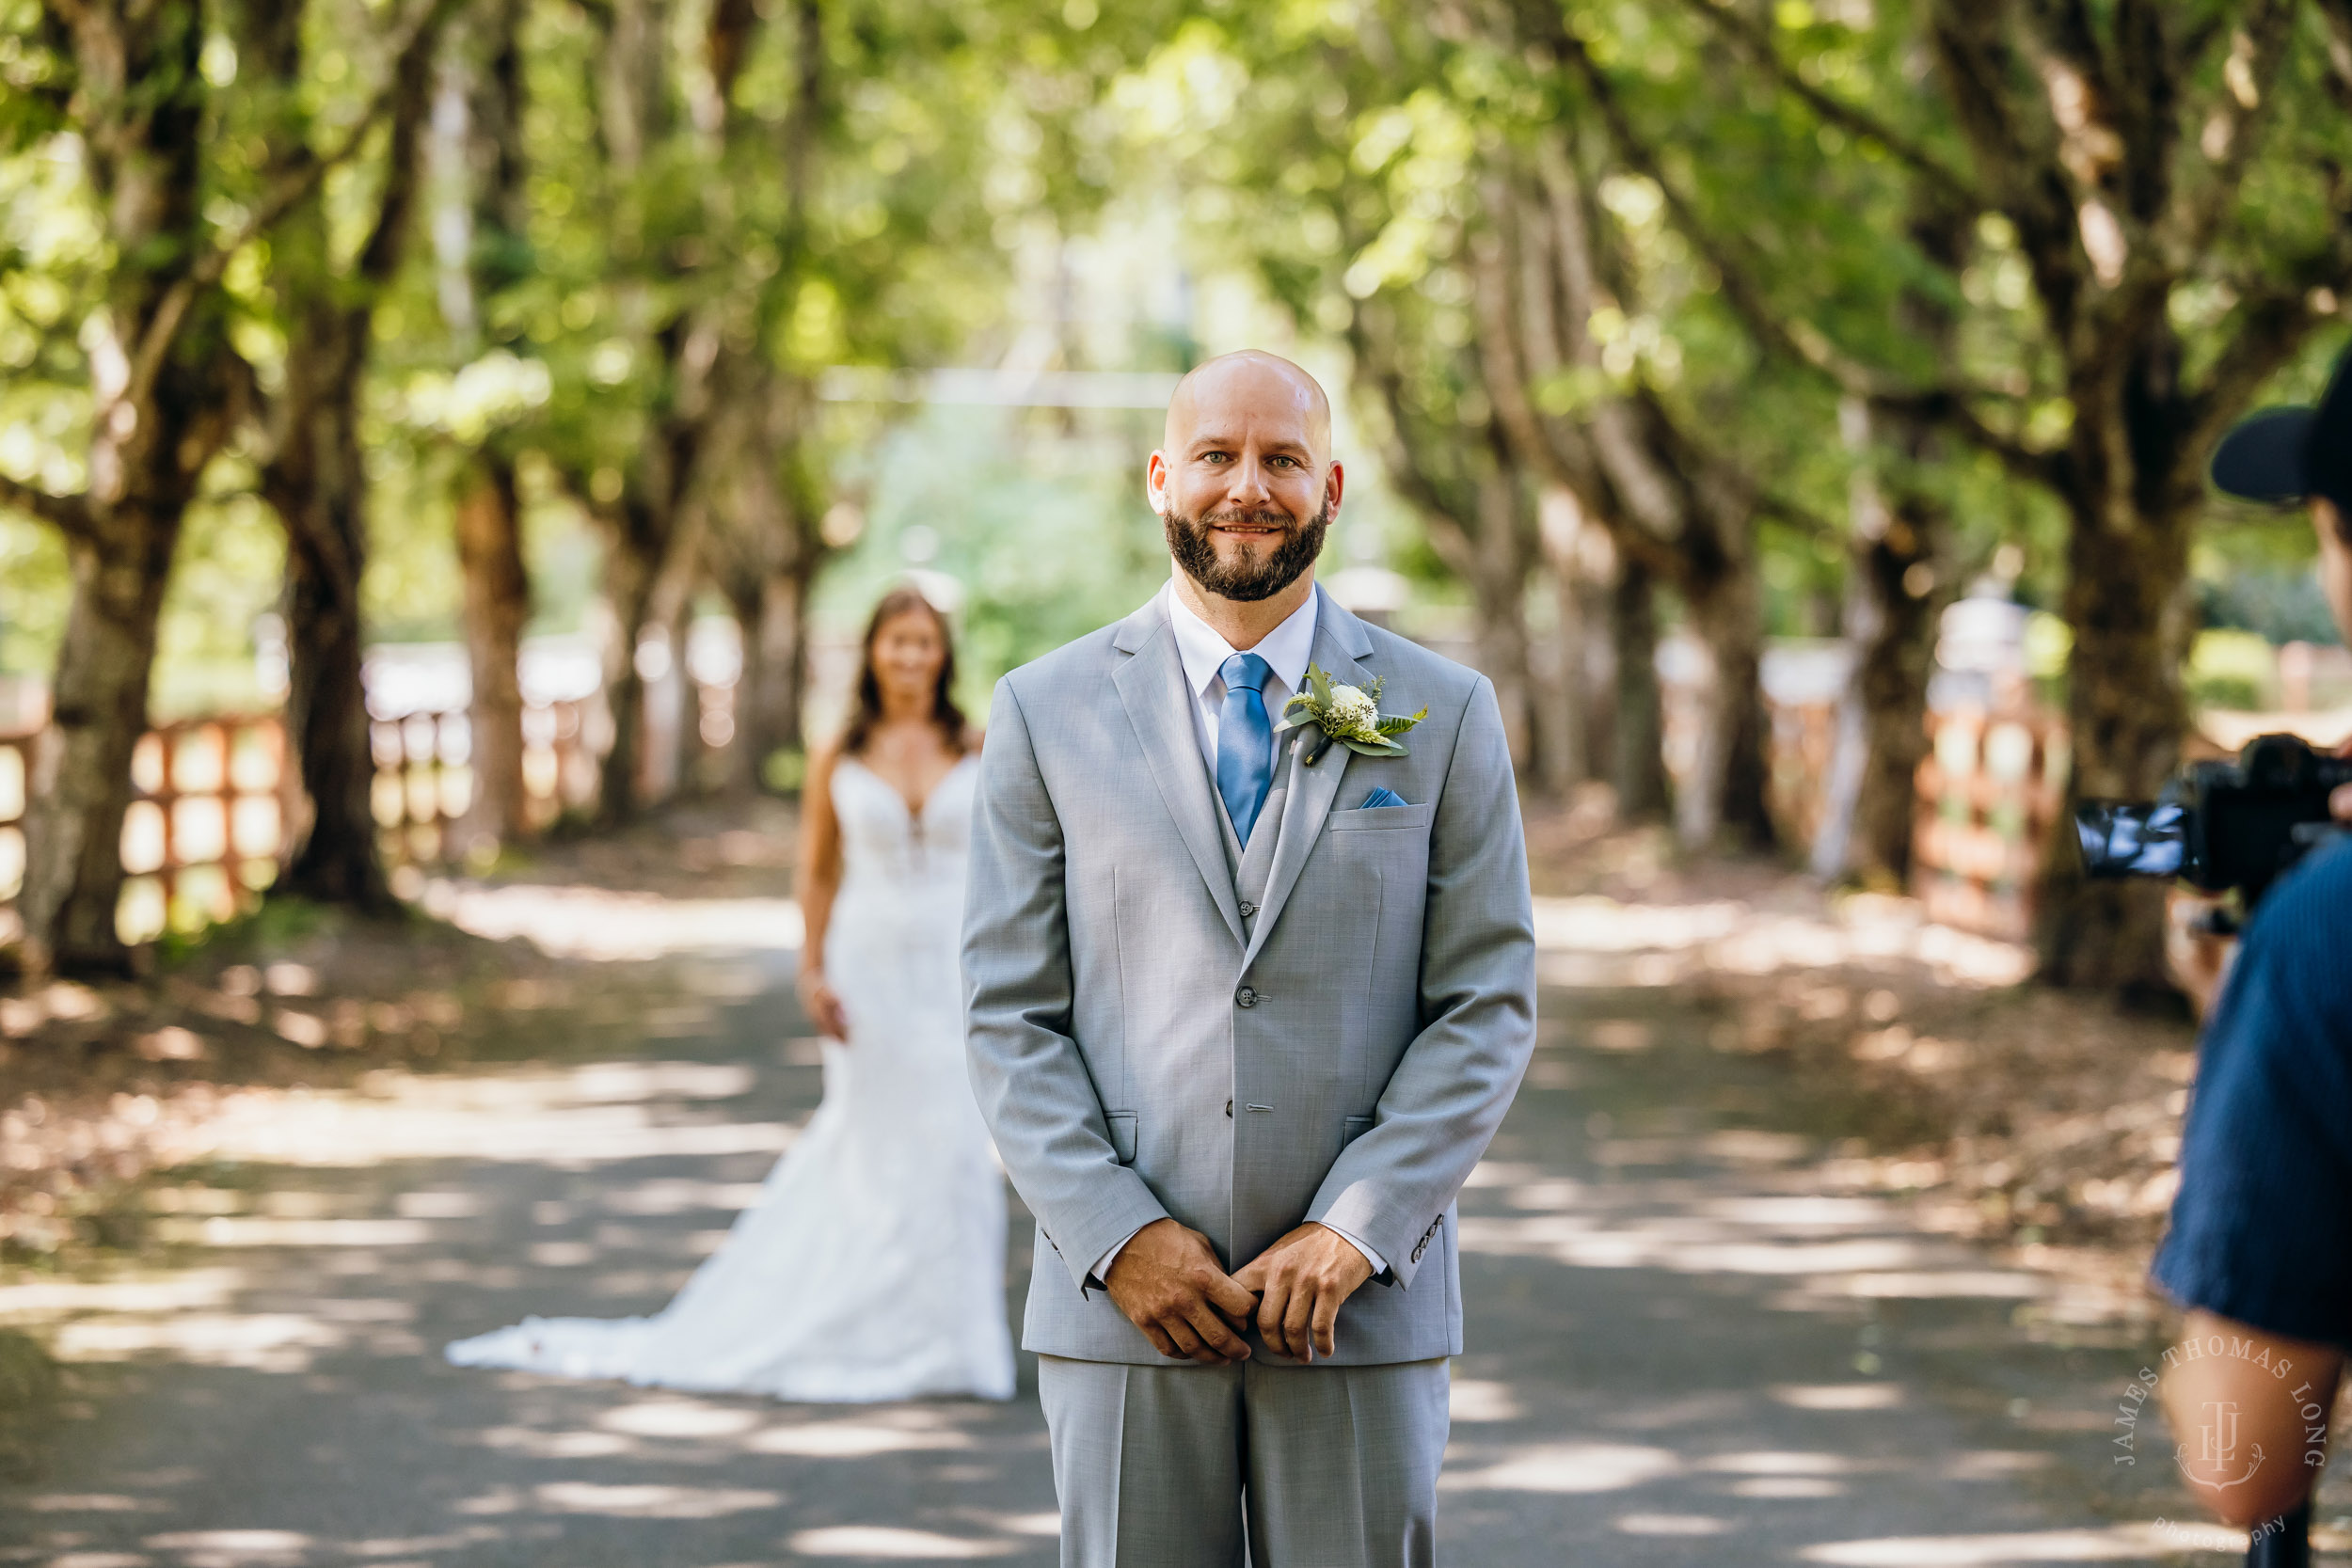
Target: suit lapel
{"points": [[1151, 685], [1341, 642]]}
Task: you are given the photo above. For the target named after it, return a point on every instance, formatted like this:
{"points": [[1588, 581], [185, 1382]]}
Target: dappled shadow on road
{"points": [[283, 1402], [1709, 1319], [1704, 1325], [563, 949]]}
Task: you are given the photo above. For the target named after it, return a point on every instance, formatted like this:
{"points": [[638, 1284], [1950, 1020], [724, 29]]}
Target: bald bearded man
{"points": [[1242, 1012]]}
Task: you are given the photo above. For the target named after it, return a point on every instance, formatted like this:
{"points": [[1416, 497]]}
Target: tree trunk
{"points": [[682, 699], [1474, 497], [1898, 579], [1896, 660], [2126, 711], [497, 607], [326, 713], [739, 766], [651, 536], [1557, 707], [1499, 561], [1561, 745], [316, 473], [484, 249], [81, 783], [317, 482], [774, 683], [157, 419], [762, 549], [1897, 586], [1596, 664], [783, 652], [629, 585], [1638, 728], [1725, 797]]}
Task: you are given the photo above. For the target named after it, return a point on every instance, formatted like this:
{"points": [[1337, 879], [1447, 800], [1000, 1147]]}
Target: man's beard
{"points": [[1254, 576]]}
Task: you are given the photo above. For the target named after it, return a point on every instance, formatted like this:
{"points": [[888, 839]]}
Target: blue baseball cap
{"points": [[2291, 455]]}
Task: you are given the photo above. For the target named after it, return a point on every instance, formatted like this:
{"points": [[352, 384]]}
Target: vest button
{"points": [[1247, 910], [1246, 997]]}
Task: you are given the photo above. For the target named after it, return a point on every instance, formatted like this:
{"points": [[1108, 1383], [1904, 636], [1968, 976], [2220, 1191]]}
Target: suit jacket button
{"points": [[1246, 997], [1247, 910]]}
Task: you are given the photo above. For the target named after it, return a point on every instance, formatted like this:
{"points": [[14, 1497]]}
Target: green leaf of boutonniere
{"points": [[1348, 716]]}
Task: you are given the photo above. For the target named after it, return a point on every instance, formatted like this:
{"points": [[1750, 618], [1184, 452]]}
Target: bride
{"points": [[872, 1265]]}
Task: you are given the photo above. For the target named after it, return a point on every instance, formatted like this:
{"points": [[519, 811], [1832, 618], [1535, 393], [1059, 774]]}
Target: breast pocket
{"points": [[1381, 819]]}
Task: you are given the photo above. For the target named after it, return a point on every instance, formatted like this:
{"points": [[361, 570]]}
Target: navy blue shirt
{"points": [[2262, 1229]]}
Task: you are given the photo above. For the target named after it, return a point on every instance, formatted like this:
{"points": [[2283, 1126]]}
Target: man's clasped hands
{"points": [[1167, 1280]]}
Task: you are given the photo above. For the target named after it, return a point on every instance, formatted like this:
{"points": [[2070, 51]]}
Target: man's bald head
{"points": [[1217, 388]]}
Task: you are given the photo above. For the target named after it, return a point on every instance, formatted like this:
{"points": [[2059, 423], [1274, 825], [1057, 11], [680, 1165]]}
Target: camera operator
{"points": [[2259, 1251]]}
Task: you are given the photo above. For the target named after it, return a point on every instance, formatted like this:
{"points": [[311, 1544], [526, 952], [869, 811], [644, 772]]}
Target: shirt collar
{"points": [[1204, 650]]}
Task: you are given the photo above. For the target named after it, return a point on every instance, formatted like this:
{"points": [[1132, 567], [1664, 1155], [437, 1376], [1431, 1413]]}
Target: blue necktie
{"points": [[1244, 741]]}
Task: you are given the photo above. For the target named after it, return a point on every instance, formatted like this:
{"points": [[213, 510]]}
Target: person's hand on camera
{"points": [[2197, 956], [2195, 952]]}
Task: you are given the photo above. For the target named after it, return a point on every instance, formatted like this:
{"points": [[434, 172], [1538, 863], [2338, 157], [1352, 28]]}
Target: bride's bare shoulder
{"points": [[823, 759]]}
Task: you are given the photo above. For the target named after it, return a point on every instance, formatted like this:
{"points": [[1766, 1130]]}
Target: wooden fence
{"points": [[1990, 789], [216, 808], [425, 776], [1801, 744]]}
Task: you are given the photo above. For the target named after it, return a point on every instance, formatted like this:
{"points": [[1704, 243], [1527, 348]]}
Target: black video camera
{"points": [[2221, 825]]}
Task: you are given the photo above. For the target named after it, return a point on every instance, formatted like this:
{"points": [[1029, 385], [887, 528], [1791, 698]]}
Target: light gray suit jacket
{"points": [[1141, 1049]]}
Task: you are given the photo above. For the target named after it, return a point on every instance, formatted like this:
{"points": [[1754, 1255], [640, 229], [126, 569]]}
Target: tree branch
{"points": [[409, 101], [69, 514], [292, 186], [1507, 373], [1401, 455], [1836, 111], [795, 149], [1796, 339], [1787, 509], [2338, 16], [2269, 26], [2066, 31], [2263, 333], [2024, 179]]}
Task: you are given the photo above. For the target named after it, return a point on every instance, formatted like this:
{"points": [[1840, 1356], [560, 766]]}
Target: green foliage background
{"points": [[1303, 155]]}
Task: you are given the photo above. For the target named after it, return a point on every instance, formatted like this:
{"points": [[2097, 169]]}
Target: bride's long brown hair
{"points": [[868, 709]]}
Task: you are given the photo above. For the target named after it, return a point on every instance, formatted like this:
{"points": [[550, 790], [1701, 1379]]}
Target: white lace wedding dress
{"points": [[872, 1265]]}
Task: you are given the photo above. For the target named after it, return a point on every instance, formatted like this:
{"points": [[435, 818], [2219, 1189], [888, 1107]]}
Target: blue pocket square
{"points": [[1381, 796]]}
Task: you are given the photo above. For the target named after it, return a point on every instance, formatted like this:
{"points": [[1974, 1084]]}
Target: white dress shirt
{"points": [[1203, 650]]}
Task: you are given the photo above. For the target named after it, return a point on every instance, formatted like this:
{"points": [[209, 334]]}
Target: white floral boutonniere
{"points": [[1348, 713]]}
